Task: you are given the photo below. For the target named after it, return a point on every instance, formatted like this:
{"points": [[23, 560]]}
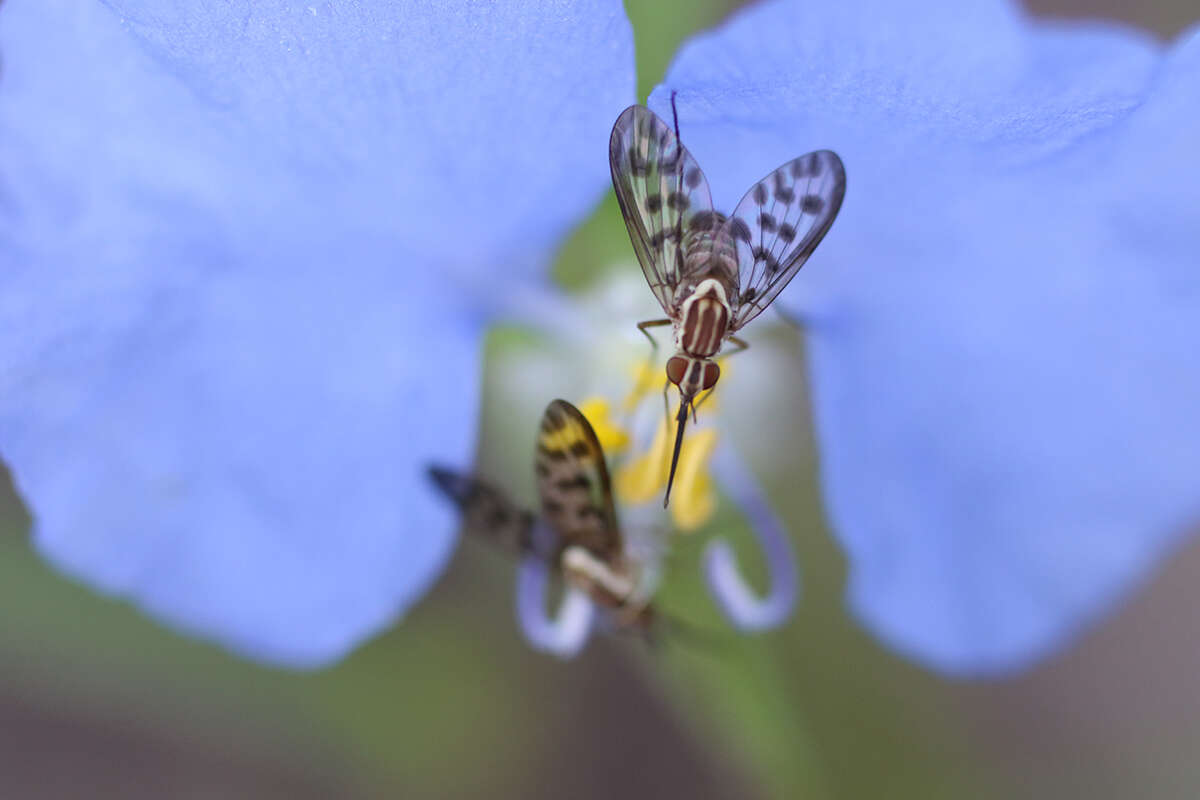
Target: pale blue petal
{"points": [[1006, 315], [247, 251]]}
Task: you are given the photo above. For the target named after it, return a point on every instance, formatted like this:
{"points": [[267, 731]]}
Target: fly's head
{"points": [[692, 375]]}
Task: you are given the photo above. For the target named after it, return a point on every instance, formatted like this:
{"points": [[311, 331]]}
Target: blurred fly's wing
{"points": [[574, 485], [779, 223], [663, 196]]}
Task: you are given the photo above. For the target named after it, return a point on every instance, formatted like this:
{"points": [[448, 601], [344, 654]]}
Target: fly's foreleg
{"points": [[652, 323], [643, 326]]}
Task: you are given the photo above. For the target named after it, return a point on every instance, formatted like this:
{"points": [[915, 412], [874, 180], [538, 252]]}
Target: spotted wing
{"points": [[779, 223], [573, 483], [488, 513], [663, 194]]}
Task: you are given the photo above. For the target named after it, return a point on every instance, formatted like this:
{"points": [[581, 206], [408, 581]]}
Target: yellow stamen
{"points": [[693, 500], [642, 478], [647, 377]]}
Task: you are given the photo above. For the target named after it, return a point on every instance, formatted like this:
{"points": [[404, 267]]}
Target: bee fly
{"points": [[576, 532], [713, 273]]}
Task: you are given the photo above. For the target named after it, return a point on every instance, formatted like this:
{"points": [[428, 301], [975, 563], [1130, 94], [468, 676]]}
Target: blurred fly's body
{"points": [[577, 532]]}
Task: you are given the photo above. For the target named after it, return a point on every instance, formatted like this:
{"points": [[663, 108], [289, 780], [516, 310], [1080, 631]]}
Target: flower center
{"points": [[643, 477]]}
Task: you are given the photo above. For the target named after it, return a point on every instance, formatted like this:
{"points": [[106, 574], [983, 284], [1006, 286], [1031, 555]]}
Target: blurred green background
{"points": [[97, 701]]}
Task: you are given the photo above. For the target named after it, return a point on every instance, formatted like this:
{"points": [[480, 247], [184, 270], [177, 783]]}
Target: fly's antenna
{"points": [[675, 119], [679, 217]]}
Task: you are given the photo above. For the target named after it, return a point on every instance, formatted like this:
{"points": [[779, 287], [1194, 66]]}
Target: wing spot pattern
{"points": [[639, 165], [740, 229], [552, 454], [784, 193], [703, 221], [762, 254], [576, 481], [812, 204]]}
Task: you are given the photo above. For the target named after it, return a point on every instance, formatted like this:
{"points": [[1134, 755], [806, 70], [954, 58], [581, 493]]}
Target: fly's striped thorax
{"points": [[704, 320]]}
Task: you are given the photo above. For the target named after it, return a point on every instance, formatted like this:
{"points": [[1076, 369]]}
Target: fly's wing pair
{"points": [[575, 491], [664, 195]]}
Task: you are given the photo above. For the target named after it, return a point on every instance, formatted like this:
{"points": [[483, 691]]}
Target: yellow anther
{"points": [[612, 438], [643, 477]]}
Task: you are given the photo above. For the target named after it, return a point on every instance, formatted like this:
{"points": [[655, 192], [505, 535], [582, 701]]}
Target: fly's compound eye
{"points": [[677, 367], [711, 373]]}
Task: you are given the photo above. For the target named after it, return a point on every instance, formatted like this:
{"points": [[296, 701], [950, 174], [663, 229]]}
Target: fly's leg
{"points": [[642, 326], [652, 323]]}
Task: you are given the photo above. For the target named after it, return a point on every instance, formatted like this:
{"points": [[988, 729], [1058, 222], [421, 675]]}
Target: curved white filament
{"points": [[741, 604], [563, 635]]}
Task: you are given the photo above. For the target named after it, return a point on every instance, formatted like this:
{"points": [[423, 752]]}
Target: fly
{"points": [[711, 272]]}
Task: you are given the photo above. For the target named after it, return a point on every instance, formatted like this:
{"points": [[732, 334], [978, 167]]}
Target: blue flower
{"points": [[1004, 320], [247, 253]]}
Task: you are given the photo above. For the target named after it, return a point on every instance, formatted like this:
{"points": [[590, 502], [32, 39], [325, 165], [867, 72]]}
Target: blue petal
{"points": [[246, 256], [1006, 314]]}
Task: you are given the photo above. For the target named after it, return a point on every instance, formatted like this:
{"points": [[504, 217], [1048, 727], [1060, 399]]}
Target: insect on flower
{"points": [[577, 531], [713, 273]]}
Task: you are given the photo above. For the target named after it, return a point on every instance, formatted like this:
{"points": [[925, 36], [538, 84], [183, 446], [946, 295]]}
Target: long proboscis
{"points": [[680, 421]]}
